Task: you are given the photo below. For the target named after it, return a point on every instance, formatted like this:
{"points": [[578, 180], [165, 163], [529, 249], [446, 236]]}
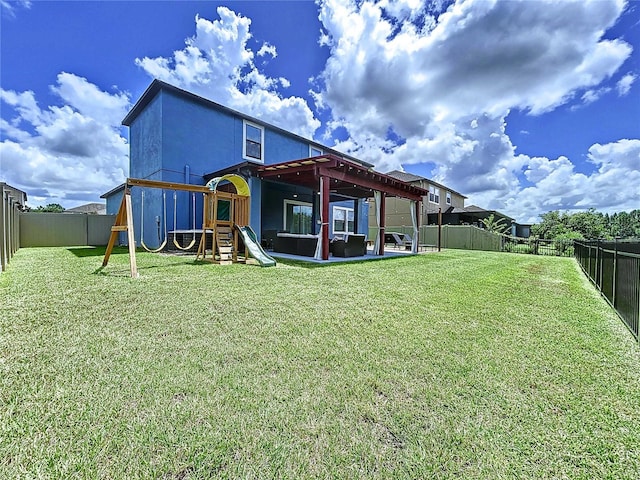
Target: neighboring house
{"points": [[17, 197], [176, 136], [439, 196], [451, 205], [93, 208], [471, 215]]}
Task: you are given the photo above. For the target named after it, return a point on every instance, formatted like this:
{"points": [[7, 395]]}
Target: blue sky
{"points": [[523, 106]]}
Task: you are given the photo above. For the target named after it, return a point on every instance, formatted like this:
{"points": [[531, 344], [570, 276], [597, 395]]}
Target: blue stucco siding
{"points": [[362, 216], [145, 141], [198, 136], [174, 131], [113, 202], [280, 148]]}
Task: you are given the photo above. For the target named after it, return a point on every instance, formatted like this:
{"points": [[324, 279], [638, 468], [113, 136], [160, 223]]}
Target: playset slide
{"points": [[255, 249]]}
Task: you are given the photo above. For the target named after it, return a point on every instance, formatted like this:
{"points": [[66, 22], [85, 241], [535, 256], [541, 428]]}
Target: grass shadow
{"points": [[312, 265], [90, 251]]}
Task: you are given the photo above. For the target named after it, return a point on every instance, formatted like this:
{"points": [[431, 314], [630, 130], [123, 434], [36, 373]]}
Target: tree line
{"points": [[588, 225], [50, 208]]}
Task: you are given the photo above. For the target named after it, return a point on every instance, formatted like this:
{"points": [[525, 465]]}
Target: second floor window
{"points": [[314, 151], [434, 194], [448, 198], [253, 142]]}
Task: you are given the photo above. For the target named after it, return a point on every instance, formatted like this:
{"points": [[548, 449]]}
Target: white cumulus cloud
{"points": [[217, 64], [624, 84], [413, 84], [67, 154]]}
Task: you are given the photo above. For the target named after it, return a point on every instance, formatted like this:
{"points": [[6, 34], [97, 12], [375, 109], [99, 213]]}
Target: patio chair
{"points": [[353, 245]]}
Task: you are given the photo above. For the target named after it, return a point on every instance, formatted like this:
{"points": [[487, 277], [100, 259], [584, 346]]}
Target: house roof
{"points": [[347, 178], [88, 208], [157, 85], [478, 211], [113, 191], [410, 178], [245, 169], [18, 195], [405, 176]]}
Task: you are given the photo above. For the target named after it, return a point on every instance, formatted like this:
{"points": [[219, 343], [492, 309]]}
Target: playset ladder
{"points": [[224, 242]]}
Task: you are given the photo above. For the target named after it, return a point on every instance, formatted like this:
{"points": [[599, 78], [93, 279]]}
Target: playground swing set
{"points": [[224, 230]]}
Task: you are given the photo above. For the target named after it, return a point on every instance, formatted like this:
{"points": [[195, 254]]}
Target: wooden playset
{"points": [[225, 219]]}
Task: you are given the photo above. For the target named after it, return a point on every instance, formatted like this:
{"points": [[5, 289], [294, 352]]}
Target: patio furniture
{"points": [[352, 245], [296, 244], [268, 238], [398, 240]]}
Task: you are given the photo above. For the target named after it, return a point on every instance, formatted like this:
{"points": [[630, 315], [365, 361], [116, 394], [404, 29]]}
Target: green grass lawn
{"points": [[452, 365]]}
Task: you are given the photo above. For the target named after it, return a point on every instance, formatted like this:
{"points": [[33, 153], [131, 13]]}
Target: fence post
{"points": [[3, 245], [615, 265], [598, 265], [9, 226], [439, 229]]}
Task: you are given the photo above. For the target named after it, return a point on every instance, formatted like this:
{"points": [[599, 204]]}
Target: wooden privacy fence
{"points": [[45, 229], [10, 226], [614, 268]]}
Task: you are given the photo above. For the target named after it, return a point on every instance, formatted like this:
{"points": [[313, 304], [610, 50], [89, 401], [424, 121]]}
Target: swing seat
{"points": [[188, 238]]}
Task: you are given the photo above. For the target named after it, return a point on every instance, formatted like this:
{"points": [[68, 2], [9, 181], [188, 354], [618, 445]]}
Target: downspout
{"points": [[187, 180]]}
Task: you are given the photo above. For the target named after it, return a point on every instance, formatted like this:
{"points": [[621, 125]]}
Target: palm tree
{"points": [[491, 224]]}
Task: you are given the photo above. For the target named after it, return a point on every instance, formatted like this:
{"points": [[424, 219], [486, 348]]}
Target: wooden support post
{"points": [[123, 223], [205, 215], [131, 239], [418, 209]]}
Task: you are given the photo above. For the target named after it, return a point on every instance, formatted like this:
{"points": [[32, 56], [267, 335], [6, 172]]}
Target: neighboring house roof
{"points": [[98, 208], [19, 196], [158, 85], [405, 177], [480, 212], [410, 178]]}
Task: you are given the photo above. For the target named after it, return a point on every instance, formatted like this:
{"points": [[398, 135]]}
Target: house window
{"points": [[253, 142], [297, 217], [343, 220], [314, 151], [448, 198], [434, 194]]}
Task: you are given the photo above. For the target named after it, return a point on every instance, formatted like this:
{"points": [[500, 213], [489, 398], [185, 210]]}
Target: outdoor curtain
{"points": [[414, 222], [318, 254], [376, 246]]}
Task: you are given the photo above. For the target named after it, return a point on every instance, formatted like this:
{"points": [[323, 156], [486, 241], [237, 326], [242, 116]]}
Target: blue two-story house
{"points": [[297, 185]]}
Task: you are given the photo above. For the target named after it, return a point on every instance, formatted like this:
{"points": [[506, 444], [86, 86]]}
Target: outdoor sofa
{"points": [[296, 244]]}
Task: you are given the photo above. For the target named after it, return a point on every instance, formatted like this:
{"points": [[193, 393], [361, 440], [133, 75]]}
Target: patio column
{"points": [[381, 209], [324, 199]]}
